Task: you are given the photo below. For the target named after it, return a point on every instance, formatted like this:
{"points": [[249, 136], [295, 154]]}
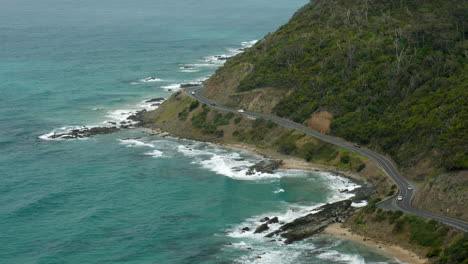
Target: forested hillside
{"points": [[393, 74]]}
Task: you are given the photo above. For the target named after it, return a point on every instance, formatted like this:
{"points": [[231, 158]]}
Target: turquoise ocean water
{"points": [[129, 197]]}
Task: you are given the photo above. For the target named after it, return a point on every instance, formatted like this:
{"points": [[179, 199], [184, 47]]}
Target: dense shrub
{"points": [[456, 253], [393, 74]]}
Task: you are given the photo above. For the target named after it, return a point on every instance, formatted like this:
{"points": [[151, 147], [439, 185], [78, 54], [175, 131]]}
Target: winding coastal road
{"points": [[385, 164]]}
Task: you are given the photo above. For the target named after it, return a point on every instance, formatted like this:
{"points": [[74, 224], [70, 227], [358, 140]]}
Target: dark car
{"points": [[212, 104]]}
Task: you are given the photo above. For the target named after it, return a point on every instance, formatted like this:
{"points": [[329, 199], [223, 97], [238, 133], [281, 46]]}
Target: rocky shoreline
{"points": [[315, 221], [312, 223], [301, 228], [131, 121]]}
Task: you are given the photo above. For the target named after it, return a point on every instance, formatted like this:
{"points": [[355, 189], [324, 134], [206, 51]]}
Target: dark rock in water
{"points": [[314, 223], [261, 228], [159, 99], [188, 85], [265, 166], [316, 252], [85, 132], [239, 168], [138, 116], [132, 138], [363, 193], [220, 57], [274, 220], [246, 229], [265, 219]]}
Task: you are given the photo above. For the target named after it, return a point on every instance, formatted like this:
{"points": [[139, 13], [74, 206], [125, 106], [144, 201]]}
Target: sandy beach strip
{"points": [[396, 252]]}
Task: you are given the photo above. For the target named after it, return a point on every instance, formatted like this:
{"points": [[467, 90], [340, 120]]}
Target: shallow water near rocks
{"points": [[128, 197]]}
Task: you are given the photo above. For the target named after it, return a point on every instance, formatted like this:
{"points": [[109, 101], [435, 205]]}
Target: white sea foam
{"points": [[279, 191], [189, 70], [248, 44], [62, 130], [135, 143], [341, 187], [150, 79], [120, 115], [359, 204], [155, 153], [174, 86], [224, 162], [217, 60], [116, 117], [341, 257], [289, 214]]}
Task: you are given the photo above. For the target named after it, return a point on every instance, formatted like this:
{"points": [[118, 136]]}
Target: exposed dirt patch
{"points": [[320, 121]]}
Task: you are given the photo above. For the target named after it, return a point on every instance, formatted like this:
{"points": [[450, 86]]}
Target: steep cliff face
{"points": [[388, 74]]}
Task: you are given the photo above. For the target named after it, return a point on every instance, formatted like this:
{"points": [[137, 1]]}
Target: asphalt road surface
{"points": [[385, 164]]}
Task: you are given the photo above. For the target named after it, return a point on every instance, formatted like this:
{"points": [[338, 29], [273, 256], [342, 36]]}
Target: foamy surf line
{"points": [[335, 185], [148, 80], [65, 129], [217, 60], [263, 250], [225, 162], [119, 119]]}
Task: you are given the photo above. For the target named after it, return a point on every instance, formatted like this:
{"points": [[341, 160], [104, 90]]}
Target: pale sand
{"points": [[399, 253]]}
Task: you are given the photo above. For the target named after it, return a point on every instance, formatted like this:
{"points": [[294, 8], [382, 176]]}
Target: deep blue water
{"points": [[111, 199]]}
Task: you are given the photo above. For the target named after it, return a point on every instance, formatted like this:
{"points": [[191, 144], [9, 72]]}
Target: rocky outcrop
{"points": [[262, 228], [138, 116], [85, 132], [314, 223], [363, 193], [159, 100], [188, 85], [274, 220], [265, 166]]}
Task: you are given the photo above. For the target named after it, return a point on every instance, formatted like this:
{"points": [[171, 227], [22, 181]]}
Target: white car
{"points": [[240, 111], [399, 198], [410, 187], [192, 92]]}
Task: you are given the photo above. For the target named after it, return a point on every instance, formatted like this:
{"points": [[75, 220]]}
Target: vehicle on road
{"points": [[192, 92], [400, 198], [357, 145], [240, 110], [410, 187], [212, 104]]}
